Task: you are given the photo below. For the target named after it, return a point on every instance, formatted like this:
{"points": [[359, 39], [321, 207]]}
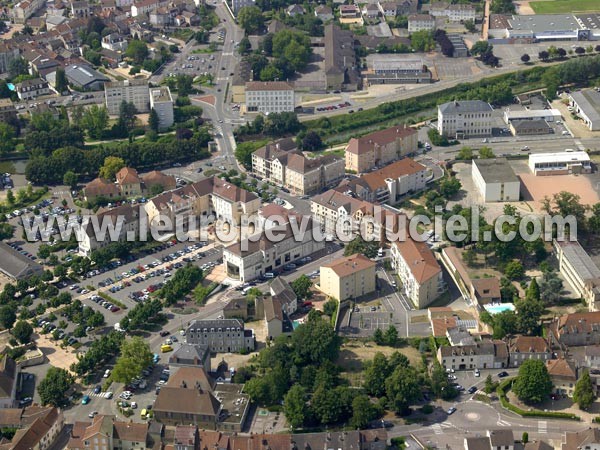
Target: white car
{"points": [[108, 395]]}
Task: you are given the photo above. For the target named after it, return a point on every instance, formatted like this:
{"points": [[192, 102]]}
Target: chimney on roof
{"points": [[455, 102]]}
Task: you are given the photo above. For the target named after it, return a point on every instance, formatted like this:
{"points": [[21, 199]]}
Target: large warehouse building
{"points": [[560, 163], [586, 105], [495, 180]]}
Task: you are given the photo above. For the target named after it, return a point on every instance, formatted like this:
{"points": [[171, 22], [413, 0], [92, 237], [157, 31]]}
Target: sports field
{"points": [[565, 6]]}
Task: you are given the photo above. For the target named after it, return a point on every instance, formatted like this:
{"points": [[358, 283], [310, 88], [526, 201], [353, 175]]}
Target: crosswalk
{"points": [[438, 428], [543, 426], [91, 393], [503, 423]]}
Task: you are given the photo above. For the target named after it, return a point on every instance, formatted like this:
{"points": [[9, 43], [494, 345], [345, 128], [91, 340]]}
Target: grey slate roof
{"points": [[189, 352], [15, 265], [465, 106], [588, 101], [83, 75]]}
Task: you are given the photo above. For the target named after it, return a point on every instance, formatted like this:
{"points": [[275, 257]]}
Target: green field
{"points": [[565, 6]]}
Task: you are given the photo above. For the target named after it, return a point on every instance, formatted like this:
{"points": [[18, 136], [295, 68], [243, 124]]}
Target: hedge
{"points": [[503, 389]]}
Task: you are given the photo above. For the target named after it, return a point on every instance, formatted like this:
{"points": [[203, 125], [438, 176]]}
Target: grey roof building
{"points": [[16, 266], [587, 106], [85, 77], [465, 118], [465, 106], [495, 180], [191, 355], [221, 335]]}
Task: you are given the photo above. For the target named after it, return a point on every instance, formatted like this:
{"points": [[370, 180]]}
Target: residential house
{"points": [[8, 53], [236, 5], [115, 42], [348, 277], [340, 212], [186, 437], [370, 11], [390, 183], [306, 176], [419, 272], [144, 7], [460, 12], [125, 219], [465, 118], [106, 433], [129, 182], [236, 308], [100, 188], [488, 354], [578, 440], [221, 335], [577, 329], [592, 356], [493, 440], [157, 180], [420, 22], [380, 148], [523, 348], [458, 336], [32, 89], [263, 158], [191, 355], [389, 9], [8, 112], [324, 13], [563, 375], [486, 290], [349, 11], [281, 290], [258, 255], [135, 92], [80, 9], [36, 427], [24, 9], [295, 10]]}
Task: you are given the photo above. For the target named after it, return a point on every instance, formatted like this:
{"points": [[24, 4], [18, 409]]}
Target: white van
{"points": [[380, 253], [269, 275]]}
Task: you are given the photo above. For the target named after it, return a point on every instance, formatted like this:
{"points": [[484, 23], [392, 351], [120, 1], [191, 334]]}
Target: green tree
{"points": [[533, 384], [8, 316], [402, 389], [127, 115], [54, 387], [469, 257], [449, 187], [301, 287], [312, 142], [363, 411], [422, 41], [61, 83], [137, 50], [22, 331], [375, 373], [465, 154], [251, 19], [514, 270], [533, 291], [70, 178], [330, 306], [135, 356], [44, 251], [7, 138], [490, 385], [481, 47], [528, 315], [112, 164], [16, 67], [315, 341], [525, 437], [95, 120], [359, 246], [486, 153], [294, 406], [584, 391], [153, 120], [391, 336], [470, 26], [10, 197]]}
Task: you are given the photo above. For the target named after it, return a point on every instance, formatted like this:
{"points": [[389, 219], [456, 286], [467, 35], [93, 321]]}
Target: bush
{"points": [[427, 409]]}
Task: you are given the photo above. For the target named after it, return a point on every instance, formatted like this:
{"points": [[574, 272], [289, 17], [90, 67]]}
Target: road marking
{"points": [[542, 426], [503, 423], [437, 428], [579, 145]]}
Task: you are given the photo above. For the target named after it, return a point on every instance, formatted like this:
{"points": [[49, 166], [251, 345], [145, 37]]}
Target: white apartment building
{"points": [[130, 91], [495, 180], [162, 102], [465, 118], [419, 272], [25, 9], [269, 97], [420, 22], [461, 12]]}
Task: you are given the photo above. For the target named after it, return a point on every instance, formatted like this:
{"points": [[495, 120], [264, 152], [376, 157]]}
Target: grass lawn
{"points": [[564, 6], [352, 355]]}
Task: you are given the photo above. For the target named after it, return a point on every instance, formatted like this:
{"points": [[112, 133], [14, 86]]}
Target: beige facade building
{"points": [[419, 272], [380, 148], [269, 97], [348, 277], [105, 433], [264, 158]]}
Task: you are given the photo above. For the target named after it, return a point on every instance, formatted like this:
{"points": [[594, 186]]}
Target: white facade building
{"points": [[420, 22], [495, 180], [560, 163], [269, 97], [460, 119], [130, 91], [162, 102]]}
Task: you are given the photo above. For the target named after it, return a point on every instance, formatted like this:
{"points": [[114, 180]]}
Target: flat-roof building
{"points": [[587, 105], [549, 115], [547, 27], [579, 270], [386, 69], [162, 102], [129, 91], [561, 163], [495, 180]]}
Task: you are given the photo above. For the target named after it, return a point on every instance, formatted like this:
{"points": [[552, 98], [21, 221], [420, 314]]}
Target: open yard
{"points": [[352, 356], [565, 6]]}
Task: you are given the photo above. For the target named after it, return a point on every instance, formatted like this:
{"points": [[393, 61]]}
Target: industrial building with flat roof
{"points": [[386, 69], [495, 180], [586, 104], [17, 266], [560, 163], [548, 27]]}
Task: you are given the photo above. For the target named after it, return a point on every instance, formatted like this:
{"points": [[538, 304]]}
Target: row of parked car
{"points": [[105, 304], [332, 107], [21, 251]]}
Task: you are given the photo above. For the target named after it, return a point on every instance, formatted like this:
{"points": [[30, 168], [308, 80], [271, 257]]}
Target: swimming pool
{"points": [[10, 86], [499, 307]]}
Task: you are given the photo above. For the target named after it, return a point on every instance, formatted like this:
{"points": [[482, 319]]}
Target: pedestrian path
{"points": [[503, 423], [438, 428], [543, 427]]}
